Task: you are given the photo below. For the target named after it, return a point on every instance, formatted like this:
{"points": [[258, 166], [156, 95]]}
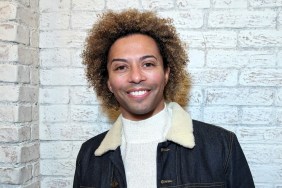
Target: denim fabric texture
{"points": [[217, 160]]}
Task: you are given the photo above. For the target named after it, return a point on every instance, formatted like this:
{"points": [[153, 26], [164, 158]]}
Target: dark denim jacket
{"points": [[216, 160]]}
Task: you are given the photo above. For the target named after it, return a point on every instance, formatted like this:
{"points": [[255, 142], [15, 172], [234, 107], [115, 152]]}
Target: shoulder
{"points": [[213, 135], [88, 147], [209, 129]]}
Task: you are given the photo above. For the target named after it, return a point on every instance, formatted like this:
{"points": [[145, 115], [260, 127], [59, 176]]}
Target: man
{"points": [[136, 63]]}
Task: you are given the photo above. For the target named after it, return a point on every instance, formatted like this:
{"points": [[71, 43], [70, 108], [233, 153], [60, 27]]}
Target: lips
{"points": [[138, 92]]}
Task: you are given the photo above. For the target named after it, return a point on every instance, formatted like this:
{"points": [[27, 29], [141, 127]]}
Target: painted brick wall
{"points": [[19, 88], [235, 49]]}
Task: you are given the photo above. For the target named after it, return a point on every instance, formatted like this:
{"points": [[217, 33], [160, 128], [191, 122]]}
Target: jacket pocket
{"points": [[199, 185]]}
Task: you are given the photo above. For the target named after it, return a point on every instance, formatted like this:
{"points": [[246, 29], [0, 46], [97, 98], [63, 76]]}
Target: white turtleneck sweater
{"points": [[139, 148]]}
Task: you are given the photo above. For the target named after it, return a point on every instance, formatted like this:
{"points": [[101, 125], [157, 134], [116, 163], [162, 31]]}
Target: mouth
{"points": [[138, 93]]}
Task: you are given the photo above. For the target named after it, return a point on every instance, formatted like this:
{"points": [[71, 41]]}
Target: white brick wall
{"points": [[235, 50], [19, 88]]}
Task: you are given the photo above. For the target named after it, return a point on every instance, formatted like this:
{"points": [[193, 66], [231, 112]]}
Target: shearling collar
{"points": [[180, 132]]}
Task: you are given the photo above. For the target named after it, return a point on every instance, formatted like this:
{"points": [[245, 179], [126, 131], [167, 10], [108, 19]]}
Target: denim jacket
{"points": [[194, 155]]}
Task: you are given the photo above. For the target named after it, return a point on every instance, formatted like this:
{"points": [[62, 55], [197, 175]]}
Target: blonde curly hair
{"points": [[112, 26]]}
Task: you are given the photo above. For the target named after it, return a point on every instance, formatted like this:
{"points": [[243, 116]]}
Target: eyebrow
{"points": [[141, 58]]}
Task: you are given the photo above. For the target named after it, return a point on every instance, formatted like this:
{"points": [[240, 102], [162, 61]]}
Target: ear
{"points": [[109, 86], [166, 72]]}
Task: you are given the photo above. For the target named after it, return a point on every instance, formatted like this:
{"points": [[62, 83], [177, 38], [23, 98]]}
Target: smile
{"points": [[138, 93]]}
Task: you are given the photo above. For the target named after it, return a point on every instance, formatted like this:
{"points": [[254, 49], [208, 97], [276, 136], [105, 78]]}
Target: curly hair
{"points": [[113, 26]]}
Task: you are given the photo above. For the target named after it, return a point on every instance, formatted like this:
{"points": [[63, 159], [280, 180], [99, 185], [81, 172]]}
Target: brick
{"points": [[260, 38], [19, 153], [54, 20], [196, 58], [55, 6], [261, 77], [242, 19], [272, 175], [214, 77], [36, 169], [66, 131], [59, 182], [83, 95], [88, 5], [196, 96], [28, 16], [195, 112], [55, 57], [187, 4], [14, 32], [157, 4], [257, 115], [239, 96], [263, 3], [240, 59], [9, 154], [34, 132], [30, 152], [221, 115], [260, 135], [84, 113], [58, 149], [54, 113], [57, 167], [14, 134], [62, 39], [28, 56], [278, 100], [9, 93], [8, 52], [24, 2], [8, 11], [279, 20], [121, 4], [263, 154], [15, 175], [76, 59], [63, 76], [230, 4], [279, 58], [82, 19], [34, 38], [278, 116], [209, 39], [15, 113], [34, 76], [34, 184], [54, 95], [185, 19], [14, 73]]}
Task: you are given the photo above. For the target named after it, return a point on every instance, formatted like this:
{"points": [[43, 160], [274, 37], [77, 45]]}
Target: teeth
{"points": [[136, 93]]}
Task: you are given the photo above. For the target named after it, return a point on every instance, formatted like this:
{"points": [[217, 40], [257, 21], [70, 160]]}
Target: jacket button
{"points": [[166, 181], [164, 149], [114, 184]]}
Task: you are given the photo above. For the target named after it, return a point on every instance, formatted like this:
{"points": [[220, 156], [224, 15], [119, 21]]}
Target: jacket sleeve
{"points": [[238, 173]]}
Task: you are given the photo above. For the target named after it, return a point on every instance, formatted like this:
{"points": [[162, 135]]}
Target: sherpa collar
{"points": [[180, 132]]}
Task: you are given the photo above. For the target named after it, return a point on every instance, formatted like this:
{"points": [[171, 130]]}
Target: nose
{"points": [[136, 75]]}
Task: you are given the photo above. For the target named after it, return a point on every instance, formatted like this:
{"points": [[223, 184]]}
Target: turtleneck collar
{"points": [[147, 130]]}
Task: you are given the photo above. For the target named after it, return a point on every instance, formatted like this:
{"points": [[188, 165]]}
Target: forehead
{"points": [[135, 43]]}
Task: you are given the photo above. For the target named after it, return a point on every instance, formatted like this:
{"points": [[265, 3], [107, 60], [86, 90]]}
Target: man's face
{"points": [[137, 76]]}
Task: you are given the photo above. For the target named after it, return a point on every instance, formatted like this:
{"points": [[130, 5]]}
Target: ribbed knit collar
{"points": [[152, 129]]}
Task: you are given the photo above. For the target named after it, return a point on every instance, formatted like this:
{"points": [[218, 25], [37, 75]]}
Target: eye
{"points": [[149, 64], [120, 68]]}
